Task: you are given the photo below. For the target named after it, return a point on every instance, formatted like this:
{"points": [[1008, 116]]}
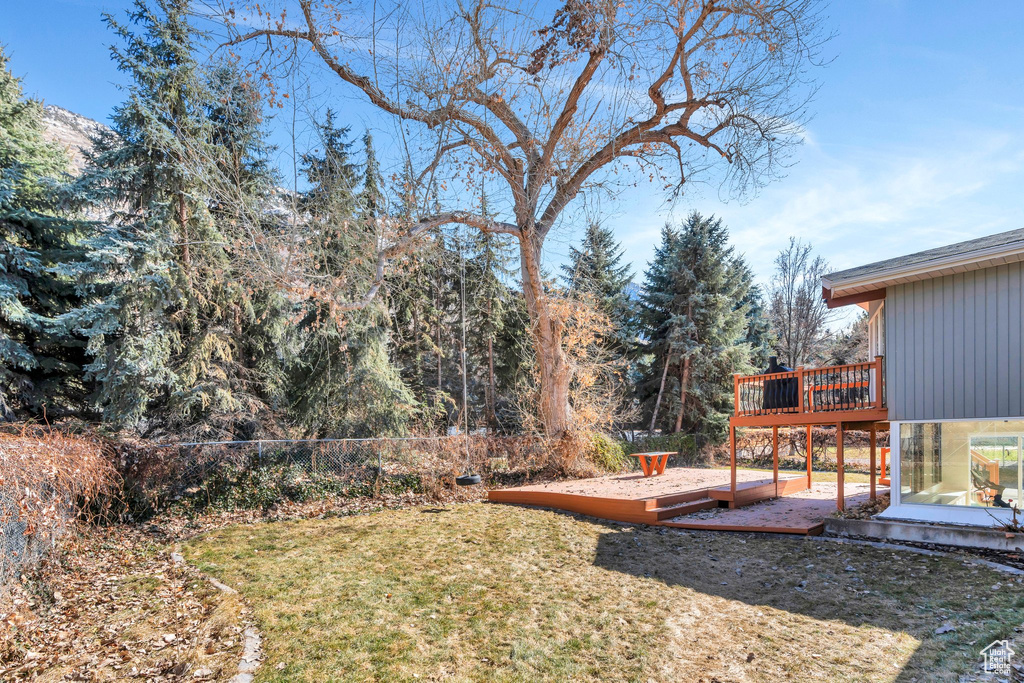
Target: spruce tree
{"points": [[344, 383], [696, 330], [659, 300], [422, 289], [488, 270], [171, 309], [759, 328], [40, 358], [596, 268]]}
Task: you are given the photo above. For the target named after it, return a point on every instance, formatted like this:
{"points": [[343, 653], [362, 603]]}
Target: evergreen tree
{"points": [[488, 270], [40, 359], [596, 268], [659, 299], [696, 331], [422, 290], [345, 383], [759, 328], [171, 310]]}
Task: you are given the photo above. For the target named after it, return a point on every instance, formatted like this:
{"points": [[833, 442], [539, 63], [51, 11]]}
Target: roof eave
{"points": [[973, 260]]}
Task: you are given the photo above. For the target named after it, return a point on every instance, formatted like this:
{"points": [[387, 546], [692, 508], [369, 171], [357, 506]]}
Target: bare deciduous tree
{"points": [[796, 309], [597, 95]]}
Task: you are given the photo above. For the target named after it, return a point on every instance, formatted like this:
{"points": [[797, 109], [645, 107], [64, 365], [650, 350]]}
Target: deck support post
{"points": [[810, 446], [840, 495], [775, 458], [732, 461], [871, 465]]}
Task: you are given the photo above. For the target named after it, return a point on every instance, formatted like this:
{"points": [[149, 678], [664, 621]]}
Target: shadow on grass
{"points": [[860, 586]]}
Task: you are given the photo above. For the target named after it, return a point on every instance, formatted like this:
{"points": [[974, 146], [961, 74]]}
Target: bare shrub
{"points": [[47, 479]]}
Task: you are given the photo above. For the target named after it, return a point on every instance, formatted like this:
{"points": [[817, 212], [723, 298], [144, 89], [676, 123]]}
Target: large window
{"points": [[973, 463]]}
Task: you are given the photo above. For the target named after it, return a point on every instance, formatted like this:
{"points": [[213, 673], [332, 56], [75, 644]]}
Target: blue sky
{"points": [[917, 138]]}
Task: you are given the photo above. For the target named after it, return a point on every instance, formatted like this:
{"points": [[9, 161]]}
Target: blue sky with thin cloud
{"points": [[917, 138]]}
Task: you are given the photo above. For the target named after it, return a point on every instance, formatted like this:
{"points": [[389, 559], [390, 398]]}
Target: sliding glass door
{"points": [[965, 462]]}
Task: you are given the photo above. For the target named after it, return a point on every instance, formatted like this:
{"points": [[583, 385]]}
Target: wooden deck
{"points": [[799, 513], [691, 498]]}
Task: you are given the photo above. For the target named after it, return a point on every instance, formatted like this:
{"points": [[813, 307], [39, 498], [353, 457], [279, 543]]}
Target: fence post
{"points": [[259, 453], [800, 390]]}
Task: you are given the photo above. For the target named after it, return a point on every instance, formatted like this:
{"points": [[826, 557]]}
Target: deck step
{"points": [[678, 509]]}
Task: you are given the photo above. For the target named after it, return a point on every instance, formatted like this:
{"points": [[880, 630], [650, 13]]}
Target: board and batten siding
{"points": [[953, 346]]}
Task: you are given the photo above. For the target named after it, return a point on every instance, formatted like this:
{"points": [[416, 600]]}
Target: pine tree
{"points": [[696, 330], [759, 328], [659, 300], [488, 271], [40, 358], [422, 290]]}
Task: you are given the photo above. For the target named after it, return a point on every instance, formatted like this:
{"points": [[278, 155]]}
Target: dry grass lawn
{"points": [[493, 592]]}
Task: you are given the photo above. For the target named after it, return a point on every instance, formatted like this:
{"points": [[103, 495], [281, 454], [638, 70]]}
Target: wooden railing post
{"points": [[878, 382], [810, 454], [840, 469], [800, 388], [736, 393], [871, 466], [732, 461], [775, 457]]}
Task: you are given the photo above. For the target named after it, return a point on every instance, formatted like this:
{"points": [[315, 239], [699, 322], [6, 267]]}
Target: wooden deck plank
{"points": [[800, 513]]}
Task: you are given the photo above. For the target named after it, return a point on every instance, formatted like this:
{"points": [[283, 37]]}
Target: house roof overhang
{"points": [[869, 282]]}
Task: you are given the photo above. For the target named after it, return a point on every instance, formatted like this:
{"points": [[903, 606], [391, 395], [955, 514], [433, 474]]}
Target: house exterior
{"points": [[947, 329]]}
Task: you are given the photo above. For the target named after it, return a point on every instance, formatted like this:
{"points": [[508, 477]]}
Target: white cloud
{"points": [[858, 205]]}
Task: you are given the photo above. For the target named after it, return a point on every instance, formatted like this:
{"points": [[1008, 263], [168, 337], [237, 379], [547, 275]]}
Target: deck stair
{"points": [[680, 509]]}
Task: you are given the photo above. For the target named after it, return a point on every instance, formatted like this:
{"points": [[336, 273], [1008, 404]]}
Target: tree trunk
{"points": [[661, 391], [555, 372], [186, 250], [492, 417], [684, 383]]}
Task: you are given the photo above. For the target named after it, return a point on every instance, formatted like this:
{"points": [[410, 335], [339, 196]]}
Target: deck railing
{"points": [[857, 386]]}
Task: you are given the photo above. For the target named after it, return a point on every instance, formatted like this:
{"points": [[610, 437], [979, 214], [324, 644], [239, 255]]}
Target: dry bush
{"points": [[596, 376], [47, 479]]}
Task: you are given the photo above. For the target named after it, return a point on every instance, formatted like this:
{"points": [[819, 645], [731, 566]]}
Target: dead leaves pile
{"points": [[866, 510], [115, 607]]}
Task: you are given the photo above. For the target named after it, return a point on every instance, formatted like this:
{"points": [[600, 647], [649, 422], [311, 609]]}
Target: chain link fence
{"points": [[147, 478], [23, 544], [45, 480], [210, 469]]}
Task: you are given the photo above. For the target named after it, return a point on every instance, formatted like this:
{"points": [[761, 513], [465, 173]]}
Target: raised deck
{"points": [[845, 396], [853, 393], [673, 499]]}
